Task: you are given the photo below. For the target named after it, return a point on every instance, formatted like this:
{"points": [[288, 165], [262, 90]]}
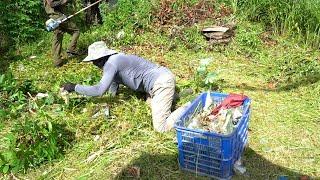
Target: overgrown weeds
{"points": [[248, 39], [13, 95], [290, 67], [293, 70], [128, 18], [32, 142], [34, 138], [300, 19]]}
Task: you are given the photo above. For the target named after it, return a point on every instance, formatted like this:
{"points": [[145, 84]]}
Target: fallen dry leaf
{"points": [[304, 177], [134, 171], [32, 57], [93, 156], [41, 95]]}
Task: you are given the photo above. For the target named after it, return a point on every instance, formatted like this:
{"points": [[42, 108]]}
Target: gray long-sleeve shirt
{"points": [[132, 71]]}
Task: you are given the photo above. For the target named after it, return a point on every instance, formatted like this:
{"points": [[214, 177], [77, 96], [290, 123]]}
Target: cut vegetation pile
{"points": [[185, 14]]}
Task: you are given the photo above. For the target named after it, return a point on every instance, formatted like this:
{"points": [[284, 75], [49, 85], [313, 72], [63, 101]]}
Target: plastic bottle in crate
{"points": [[209, 153]]}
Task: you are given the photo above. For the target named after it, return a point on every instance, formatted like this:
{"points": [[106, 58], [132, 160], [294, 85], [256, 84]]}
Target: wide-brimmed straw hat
{"points": [[98, 50]]}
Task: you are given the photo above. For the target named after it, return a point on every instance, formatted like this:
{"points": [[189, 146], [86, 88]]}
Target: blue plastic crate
{"points": [[208, 153]]}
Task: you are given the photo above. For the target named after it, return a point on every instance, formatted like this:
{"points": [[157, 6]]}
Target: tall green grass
{"points": [[297, 18]]}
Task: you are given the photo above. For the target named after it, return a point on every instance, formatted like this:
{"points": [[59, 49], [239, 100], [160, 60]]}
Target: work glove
{"points": [[70, 87]]}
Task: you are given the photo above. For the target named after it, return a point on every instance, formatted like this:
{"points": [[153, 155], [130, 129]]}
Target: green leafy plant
{"points": [[13, 96], [21, 20], [204, 78], [32, 142]]}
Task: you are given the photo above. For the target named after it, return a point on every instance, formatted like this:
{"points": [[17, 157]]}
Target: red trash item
{"points": [[231, 101]]}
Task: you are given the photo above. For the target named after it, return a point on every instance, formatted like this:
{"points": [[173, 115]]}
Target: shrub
{"points": [[21, 20], [13, 95], [31, 143]]}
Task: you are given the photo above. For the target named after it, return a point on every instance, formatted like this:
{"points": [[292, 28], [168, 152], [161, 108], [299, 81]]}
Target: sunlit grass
{"points": [[283, 137]]}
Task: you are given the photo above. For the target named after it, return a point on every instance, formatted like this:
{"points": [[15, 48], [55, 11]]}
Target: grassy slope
{"points": [[284, 138]]}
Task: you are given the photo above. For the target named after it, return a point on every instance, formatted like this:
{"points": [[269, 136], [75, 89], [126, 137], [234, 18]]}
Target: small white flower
{"points": [[120, 34]]}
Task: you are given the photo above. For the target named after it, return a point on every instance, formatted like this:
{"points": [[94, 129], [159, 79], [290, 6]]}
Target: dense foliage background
{"points": [[20, 21], [23, 20]]}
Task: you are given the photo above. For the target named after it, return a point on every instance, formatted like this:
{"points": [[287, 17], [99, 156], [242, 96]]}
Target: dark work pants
{"points": [[93, 13], [70, 28]]}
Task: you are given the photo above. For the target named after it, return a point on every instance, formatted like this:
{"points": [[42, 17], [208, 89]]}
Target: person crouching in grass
{"points": [[139, 75]]}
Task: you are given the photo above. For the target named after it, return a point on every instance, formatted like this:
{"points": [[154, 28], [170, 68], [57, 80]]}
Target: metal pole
{"points": [[81, 10]]}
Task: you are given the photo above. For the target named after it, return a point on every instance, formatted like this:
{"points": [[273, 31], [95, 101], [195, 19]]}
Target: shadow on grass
{"points": [[305, 81], [165, 166], [5, 60], [36, 146], [68, 139], [284, 87], [155, 166], [259, 167]]}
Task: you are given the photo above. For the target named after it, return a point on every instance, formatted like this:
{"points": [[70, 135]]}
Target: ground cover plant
{"points": [[50, 138]]}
